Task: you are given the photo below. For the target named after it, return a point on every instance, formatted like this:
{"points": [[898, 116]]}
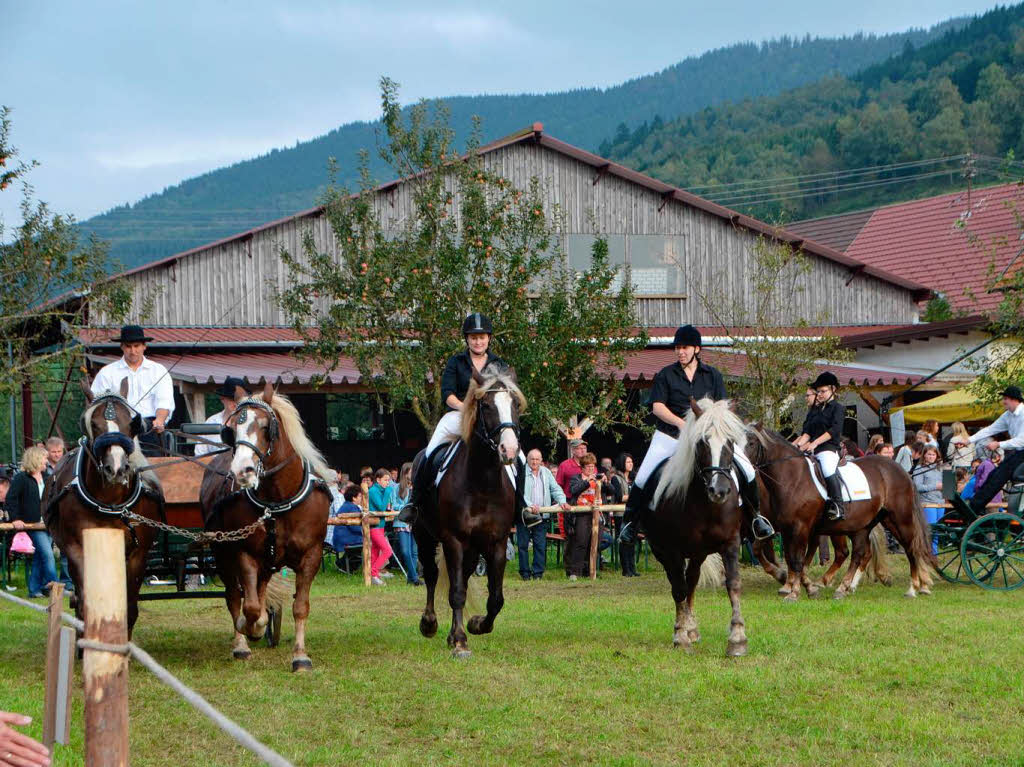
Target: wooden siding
{"points": [[233, 284]]}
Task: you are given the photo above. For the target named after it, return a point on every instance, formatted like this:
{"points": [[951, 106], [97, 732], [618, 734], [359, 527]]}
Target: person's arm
{"points": [[449, 382], [660, 409], [15, 503], [719, 389], [555, 490], [834, 429], [100, 384], [18, 746], [997, 426], [658, 399], [163, 392]]}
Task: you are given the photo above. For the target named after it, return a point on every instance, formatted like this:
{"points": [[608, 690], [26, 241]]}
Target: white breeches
{"points": [[663, 446], [829, 462], [448, 429]]}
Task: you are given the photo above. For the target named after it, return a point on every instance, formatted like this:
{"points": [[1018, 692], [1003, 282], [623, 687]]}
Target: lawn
{"points": [[580, 673]]}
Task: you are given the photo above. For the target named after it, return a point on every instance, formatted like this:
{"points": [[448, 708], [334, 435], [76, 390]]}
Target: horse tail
{"points": [[277, 593], [880, 555], [712, 573], [921, 543], [475, 601]]}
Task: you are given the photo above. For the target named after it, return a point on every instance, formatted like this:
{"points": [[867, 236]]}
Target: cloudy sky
{"points": [[117, 100]]}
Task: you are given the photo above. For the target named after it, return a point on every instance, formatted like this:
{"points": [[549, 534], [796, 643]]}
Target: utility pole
{"points": [[969, 173]]}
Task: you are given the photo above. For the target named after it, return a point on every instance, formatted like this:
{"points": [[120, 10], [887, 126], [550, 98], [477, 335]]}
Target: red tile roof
{"points": [[834, 231], [948, 243]]}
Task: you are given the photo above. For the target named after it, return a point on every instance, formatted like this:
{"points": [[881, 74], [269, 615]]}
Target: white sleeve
{"points": [[163, 393], [999, 425], [100, 383]]}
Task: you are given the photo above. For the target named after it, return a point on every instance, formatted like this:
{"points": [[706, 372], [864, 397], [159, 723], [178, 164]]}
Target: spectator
{"points": [[905, 455], [959, 454], [5, 485], [962, 476], [885, 450], [394, 474], [346, 536], [343, 480], [623, 477], [873, 443], [571, 466], [931, 428], [928, 482], [986, 467], [927, 438], [23, 502], [17, 748], [851, 449], [407, 549], [540, 490], [54, 452], [916, 453], [583, 491], [379, 499]]}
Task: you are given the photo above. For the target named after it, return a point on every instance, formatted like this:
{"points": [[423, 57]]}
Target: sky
{"points": [[117, 100]]}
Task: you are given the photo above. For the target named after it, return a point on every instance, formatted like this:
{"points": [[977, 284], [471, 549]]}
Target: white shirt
{"points": [[149, 387], [1012, 423], [202, 448]]}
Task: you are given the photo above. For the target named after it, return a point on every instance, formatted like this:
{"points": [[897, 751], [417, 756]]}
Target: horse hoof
{"points": [[428, 627], [840, 595], [791, 597], [910, 594], [474, 624], [461, 653], [924, 591], [241, 654], [302, 665], [736, 649], [813, 592], [683, 644], [785, 591]]}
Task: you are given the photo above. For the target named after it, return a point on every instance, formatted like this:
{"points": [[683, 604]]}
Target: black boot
{"points": [[627, 555], [760, 526], [635, 506], [834, 505], [417, 490]]}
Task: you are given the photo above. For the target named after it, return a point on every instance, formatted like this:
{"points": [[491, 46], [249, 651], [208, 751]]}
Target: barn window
{"points": [[657, 264], [352, 417]]}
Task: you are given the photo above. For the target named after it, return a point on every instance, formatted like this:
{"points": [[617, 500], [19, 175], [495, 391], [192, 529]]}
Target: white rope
{"points": [[227, 726]]}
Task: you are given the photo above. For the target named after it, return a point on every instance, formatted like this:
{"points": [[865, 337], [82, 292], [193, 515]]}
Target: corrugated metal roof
{"points": [[930, 241], [834, 231]]}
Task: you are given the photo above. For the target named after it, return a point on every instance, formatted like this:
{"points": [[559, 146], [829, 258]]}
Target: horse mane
{"points": [[291, 426], [766, 438], [493, 376], [717, 422]]}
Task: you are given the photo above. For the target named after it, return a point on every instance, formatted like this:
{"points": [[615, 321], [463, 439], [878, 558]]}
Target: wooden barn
{"points": [[212, 312]]}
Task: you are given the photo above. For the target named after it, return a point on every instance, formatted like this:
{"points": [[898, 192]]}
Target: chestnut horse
{"points": [[272, 484], [697, 513], [796, 509], [97, 484], [474, 507]]}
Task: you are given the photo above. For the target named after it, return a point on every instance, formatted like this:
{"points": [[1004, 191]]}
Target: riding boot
{"points": [[635, 506], [760, 526], [416, 491], [834, 506], [627, 555]]}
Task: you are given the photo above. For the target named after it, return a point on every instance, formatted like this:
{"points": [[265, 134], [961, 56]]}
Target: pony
{"points": [[100, 482], [697, 513], [272, 483], [474, 507], [796, 509]]}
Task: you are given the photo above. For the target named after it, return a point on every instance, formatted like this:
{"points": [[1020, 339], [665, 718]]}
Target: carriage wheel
{"points": [[993, 552], [948, 535]]}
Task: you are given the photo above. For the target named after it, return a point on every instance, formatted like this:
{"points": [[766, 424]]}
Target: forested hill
{"points": [[896, 130], [284, 181]]}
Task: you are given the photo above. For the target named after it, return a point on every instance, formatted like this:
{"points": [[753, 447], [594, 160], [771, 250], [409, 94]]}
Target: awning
{"points": [[956, 405]]}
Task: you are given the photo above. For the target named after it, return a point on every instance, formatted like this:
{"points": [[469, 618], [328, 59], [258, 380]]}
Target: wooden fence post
{"points": [[52, 663], [595, 539], [364, 523], [105, 673]]}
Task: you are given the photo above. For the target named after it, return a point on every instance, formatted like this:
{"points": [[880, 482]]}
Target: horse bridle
{"points": [[490, 436], [110, 438], [708, 473], [227, 434]]}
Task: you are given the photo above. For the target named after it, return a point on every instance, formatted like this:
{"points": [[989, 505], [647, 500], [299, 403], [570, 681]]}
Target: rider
{"points": [[1012, 422], [458, 373], [669, 399], [820, 435]]}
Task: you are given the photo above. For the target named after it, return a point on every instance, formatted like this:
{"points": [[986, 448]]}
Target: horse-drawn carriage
{"points": [[986, 549]]}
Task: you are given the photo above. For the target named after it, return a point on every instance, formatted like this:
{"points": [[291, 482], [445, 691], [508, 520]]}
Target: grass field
{"points": [[580, 673]]}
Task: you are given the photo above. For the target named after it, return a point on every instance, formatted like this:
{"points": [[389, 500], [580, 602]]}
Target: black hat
{"points": [[476, 323], [132, 334], [687, 335], [1013, 392], [227, 389], [825, 379]]}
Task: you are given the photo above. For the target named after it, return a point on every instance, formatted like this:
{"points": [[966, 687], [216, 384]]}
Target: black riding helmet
{"points": [[476, 323], [827, 378], [687, 335]]}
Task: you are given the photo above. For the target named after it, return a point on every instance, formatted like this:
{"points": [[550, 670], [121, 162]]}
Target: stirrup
{"points": [[834, 511], [530, 519], [761, 527], [627, 533]]}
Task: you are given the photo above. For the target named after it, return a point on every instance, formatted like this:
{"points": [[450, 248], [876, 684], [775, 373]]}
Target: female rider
{"points": [[820, 435]]}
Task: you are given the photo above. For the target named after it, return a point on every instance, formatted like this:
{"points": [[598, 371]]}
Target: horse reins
{"points": [[490, 437]]}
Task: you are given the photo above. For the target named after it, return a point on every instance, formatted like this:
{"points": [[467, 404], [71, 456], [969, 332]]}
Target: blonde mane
{"points": [[717, 423], [291, 426], [492, 379]]}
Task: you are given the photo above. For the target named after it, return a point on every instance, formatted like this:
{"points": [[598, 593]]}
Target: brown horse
{"points": [[271, 484], [796, 509], [697, 513], [97, 484], [474, 507]]}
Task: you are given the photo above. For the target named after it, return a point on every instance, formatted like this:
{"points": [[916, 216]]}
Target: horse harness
{"points": [[490, 436], [241, 415]]}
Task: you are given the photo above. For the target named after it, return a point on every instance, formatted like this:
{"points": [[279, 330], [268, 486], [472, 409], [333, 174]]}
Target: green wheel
{"points": [[947, 535], [992, 552]]}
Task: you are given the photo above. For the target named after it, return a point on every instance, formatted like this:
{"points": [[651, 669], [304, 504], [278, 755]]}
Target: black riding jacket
{"points": [[674, 389], [825, 418], [459, 372]]}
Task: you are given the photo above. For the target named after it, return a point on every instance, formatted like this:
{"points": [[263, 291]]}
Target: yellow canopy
{"points": [[956, 405]]}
